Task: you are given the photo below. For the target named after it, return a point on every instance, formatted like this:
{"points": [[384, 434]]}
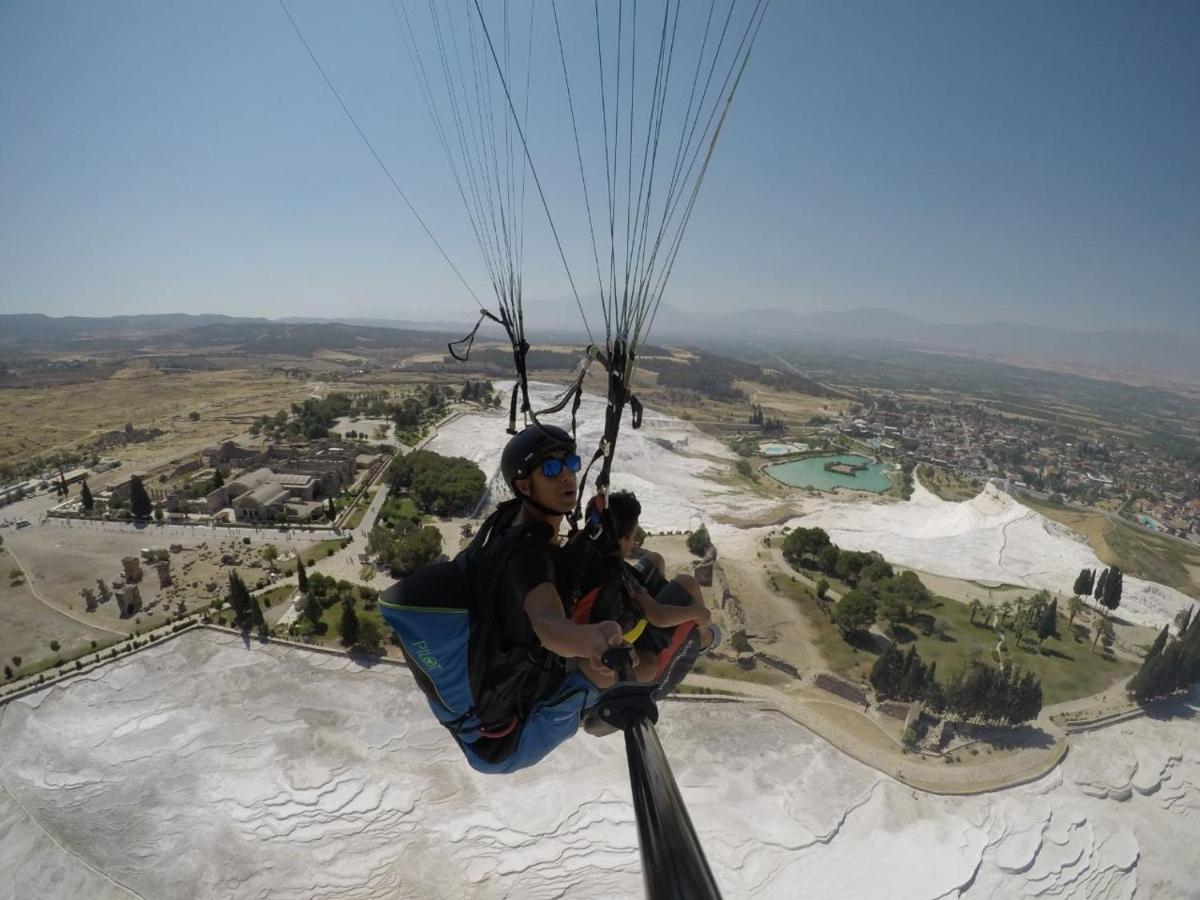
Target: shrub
{"points": [[698, 541]]}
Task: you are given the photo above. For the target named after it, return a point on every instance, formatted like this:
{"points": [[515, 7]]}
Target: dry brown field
{"points": [[37, 420], [27, 626]]}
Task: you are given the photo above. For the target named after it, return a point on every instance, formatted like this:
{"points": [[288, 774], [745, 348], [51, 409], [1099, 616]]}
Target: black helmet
{"points": [[528, 448]]}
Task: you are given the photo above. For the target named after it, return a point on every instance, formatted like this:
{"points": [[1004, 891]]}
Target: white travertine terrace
{"points": [[205, 767]]}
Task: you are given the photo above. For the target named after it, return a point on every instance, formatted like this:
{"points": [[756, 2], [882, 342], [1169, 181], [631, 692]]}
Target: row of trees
{"points": [[769, 426], [1106, 587], [1036, 615], [440, 485], [1171, 664], [902, 676], [979, 692]]}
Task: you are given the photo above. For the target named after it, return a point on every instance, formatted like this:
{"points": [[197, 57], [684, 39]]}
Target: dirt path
{"points": [[29, 583], [846, 727]]}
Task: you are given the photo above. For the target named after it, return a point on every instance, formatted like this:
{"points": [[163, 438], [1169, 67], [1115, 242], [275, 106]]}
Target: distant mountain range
{"points": [[1174, 356]]}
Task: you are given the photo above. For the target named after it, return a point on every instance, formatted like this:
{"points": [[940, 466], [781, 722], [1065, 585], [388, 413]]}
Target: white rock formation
{"points": [[203, 767]]}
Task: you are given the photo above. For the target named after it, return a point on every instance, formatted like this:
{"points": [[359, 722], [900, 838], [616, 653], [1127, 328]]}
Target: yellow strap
{"points": [[635, 632]]}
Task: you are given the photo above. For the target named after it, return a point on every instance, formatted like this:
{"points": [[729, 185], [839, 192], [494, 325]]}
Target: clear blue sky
{"points": [[1028, 162]]}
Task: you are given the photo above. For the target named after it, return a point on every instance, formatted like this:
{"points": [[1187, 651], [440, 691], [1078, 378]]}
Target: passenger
{"points": [[609, 586]]}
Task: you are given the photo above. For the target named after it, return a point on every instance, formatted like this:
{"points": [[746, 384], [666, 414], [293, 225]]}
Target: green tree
{"points": [[348, 627], [1074, 607], [1048, 621], [803, 546], [827, 559], [85, 498], [887, 671], [1101, 581], [244, 606], [301, 575], [1084, 582], [218, 480], [1113, 587], [854, 613], [414, 550], [139, 500], [698, 541], [313, 610], [370, 635], [822, 588]]}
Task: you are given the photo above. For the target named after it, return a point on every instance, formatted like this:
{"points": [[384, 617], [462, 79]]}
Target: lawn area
{"points": [[332, 617], [276, 595], [1067, 667], [317, 551]]}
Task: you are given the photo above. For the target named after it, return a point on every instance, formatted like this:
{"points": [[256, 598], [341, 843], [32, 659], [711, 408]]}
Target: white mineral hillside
{"points": [[667, 462], [670, 464], [204, 767], [991, 538]]}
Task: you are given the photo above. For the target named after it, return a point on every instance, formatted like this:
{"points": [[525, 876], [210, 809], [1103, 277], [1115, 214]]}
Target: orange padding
{"points": [[582, 613], [668, 653]]}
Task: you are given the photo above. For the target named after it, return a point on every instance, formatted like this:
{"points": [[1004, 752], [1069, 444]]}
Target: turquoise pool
{"points": [[811, 472]]}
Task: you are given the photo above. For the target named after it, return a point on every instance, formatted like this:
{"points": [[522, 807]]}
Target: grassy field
{"points": [[317, 551], [1065, 664], [1140, 553]]}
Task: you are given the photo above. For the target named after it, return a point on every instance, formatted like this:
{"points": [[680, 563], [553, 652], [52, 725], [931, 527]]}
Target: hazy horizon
{"points": [[959, 164]]}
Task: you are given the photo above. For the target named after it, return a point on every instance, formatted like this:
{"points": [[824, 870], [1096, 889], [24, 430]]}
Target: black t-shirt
{"points": [[535, 560]]}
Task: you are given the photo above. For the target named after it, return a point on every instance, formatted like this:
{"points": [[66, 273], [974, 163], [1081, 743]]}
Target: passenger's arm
{"points": [[667, 615], [563, 637]]}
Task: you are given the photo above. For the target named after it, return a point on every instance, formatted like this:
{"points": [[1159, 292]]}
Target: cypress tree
{"points": [[139, 500], [1159, 643], [912, 684], [348, 626], [1113, 586], [239, 599], [85, 498], [1100, 583], [1182, 621], [301, 575], [1048, 621], [885, 673], [1083, 583], [218, 480]]}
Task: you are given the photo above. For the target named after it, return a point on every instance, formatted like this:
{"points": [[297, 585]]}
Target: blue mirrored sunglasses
{"points": [[552, 467]]}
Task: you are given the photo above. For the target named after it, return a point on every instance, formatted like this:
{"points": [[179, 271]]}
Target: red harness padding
{"points": [[582, 613], [667, 653]]}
